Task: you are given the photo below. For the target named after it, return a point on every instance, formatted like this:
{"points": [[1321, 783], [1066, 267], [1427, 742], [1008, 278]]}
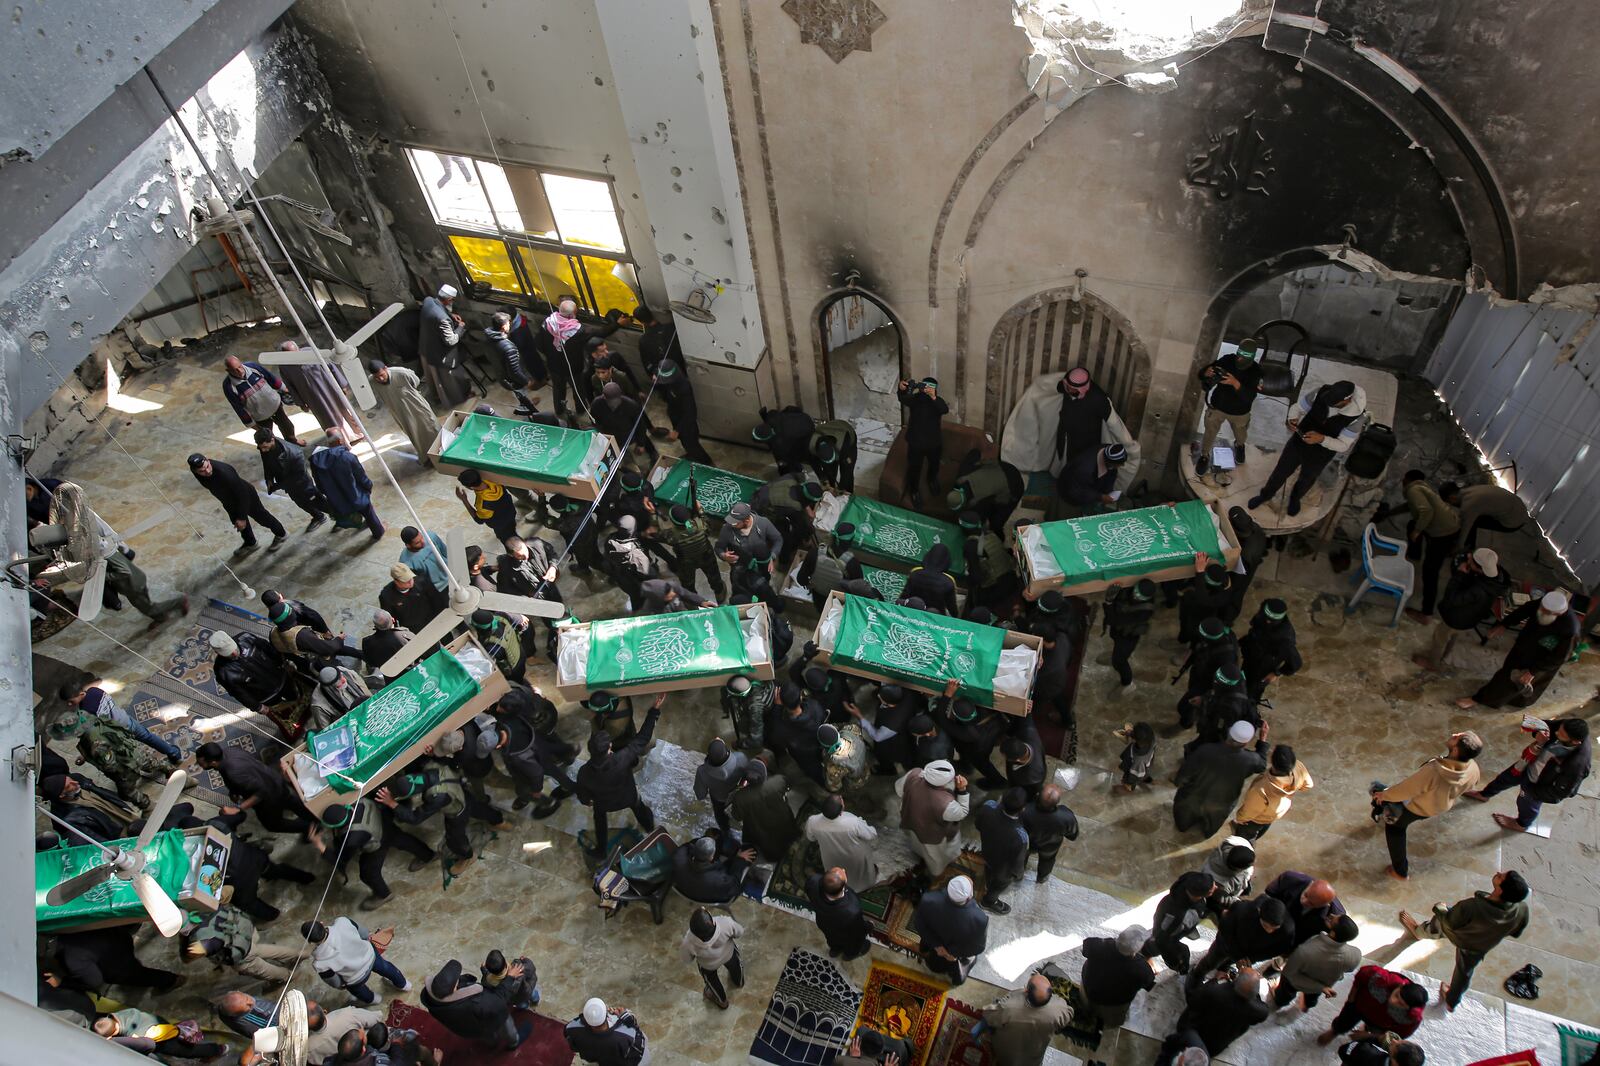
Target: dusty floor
{"points": [[1358, 711]]}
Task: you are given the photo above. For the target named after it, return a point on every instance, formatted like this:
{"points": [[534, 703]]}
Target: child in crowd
{"points": [[1138, 757]]}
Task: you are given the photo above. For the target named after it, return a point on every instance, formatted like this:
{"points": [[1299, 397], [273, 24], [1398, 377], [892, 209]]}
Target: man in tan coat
{"points": [[1269, 797], [1432, 790], [1024, 1021], [933, 803]]}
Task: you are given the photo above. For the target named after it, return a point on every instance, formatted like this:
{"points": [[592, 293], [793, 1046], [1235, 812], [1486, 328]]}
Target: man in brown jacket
{"points": [[1269, 797], [1475, 925], [933, 803], [1433, 789], [1025, 1020]]}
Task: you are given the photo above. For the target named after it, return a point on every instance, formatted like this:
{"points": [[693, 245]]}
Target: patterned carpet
{"points": [[953, 1043], [809, 1018], [174, 700], [903, 1004], [545, 1046]]}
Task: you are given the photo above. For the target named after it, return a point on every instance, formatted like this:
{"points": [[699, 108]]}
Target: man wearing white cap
{"points": [[607, 1036], [1549, 633], [1212, 775], [439, 330], [933, 802], [1476, 584], [248, 668], [953, 928]]}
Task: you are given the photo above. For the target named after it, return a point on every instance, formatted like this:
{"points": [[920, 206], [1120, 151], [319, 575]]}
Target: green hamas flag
{"points": [[896, 533], [396, 715], [892, 583], [521, 449], [168, 864], [627, 652], [1127, 543], [919, 646], [717, 490]]}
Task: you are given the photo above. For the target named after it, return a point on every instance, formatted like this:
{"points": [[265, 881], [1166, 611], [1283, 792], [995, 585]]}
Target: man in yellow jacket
{"points": [[1432, 790], [1269, 797]]}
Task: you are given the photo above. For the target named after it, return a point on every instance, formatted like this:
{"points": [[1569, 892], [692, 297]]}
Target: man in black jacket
{"points": [[1005, 846], [976, 732], [953, 928], [1310, 903], [838, 913], [240, 501], [1049, 823], [617, 415], [366, 829], [531, 749], [1476, 584], [248, 668], [283, 466], [1222, 1011], [672, 382], [528, 568], [1127, 620], [1231, 385], [701, 875], [606, 781], [1551, 770], [410, 602], [255, 786], [1178, 915], [1213, 647], [469, 1009], [249, 864], [1268, 650], [502, 335], [925, 411], [1249, 931], [385, 640], [1115, 972], [1253, 547], [92, 959], [1209, 595], [787, 434], [1212, 775]]}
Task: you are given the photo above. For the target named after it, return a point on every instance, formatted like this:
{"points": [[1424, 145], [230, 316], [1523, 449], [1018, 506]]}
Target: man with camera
{"points": [[1231, 384]]}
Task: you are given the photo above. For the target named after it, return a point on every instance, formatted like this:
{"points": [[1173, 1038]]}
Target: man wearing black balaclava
{"points": [[1327, 423]]}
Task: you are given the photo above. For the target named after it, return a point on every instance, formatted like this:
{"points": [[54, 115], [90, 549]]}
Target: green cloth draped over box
{"points": [[520, 449], [1129, 543], [920, 647], [716, 489], [168, 863], [896, 533], [628, 652], [392, 719], [892, 583]]}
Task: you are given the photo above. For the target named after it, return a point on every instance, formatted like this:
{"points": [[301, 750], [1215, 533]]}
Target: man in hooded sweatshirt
{"points": [[933, 803], [1233, 868], [1212, 775], [1475, 925], [1178, 916], [469, 1009], [1268, 651], [1432, 790], [1327, 424], [606, 782], [953, 928], [617, 415], [931, 581], [1550, 770], [1269, 797], [717, 779]]}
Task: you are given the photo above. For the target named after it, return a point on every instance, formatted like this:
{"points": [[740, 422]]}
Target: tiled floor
{"points": [[1358, 711]]}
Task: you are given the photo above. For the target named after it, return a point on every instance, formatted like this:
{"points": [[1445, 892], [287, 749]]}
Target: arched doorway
{"points": [[1054, 331], [863, 350]]}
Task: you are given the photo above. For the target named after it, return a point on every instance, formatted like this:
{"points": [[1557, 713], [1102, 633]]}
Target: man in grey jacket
{"points": [[718, 778], [1315, 967], [439, 330]]}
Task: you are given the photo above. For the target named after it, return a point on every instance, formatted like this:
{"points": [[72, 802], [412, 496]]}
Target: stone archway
{"points": [[1054, 331]]}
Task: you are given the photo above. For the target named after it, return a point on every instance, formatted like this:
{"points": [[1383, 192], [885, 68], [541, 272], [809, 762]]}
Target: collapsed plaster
{"points": [[1080, 45]]}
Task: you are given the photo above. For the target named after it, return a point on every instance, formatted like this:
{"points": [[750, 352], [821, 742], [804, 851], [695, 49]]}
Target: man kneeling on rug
{"points": [[954, 929]]}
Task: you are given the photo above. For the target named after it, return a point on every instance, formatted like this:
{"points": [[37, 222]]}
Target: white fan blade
{"points": [[163, 912], [456, 555], [299, 357], [379, 320], [94, 589], [507, 604], [78, 884], [158, 813], [433, 632]]}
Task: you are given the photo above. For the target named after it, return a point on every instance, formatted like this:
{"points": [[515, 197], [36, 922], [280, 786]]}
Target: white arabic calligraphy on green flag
{"points": [[1128, 543], [919, 646], [521, 449], [715, 489], [627, 652], [902, 535]]}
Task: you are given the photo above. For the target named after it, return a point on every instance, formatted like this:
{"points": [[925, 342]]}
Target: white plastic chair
{"points": [[1384, 569]]}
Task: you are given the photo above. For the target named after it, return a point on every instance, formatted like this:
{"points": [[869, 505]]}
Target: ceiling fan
{"points": [[464, 599], [128, 864], [287, 1040], [344, 356]]}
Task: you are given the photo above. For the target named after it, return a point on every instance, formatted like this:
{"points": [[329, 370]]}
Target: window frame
{"points": [[512, 239]]}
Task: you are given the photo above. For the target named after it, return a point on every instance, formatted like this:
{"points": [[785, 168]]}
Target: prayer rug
{"points": [[903, 1004], [953, 1042], [1085, 1028], [1519, 1058], [177, 699], [896, 931], [787, 888], [1578, 1046], [809, 1017], [545, 1046]]}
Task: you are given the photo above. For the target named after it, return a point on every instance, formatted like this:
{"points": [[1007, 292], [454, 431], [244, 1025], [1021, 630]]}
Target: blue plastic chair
{"points": [[1384, 569]]}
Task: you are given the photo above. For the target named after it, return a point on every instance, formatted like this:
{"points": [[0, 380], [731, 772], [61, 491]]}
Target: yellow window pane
{"points": [[609, 290], [551, 275], [486, 260]]}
